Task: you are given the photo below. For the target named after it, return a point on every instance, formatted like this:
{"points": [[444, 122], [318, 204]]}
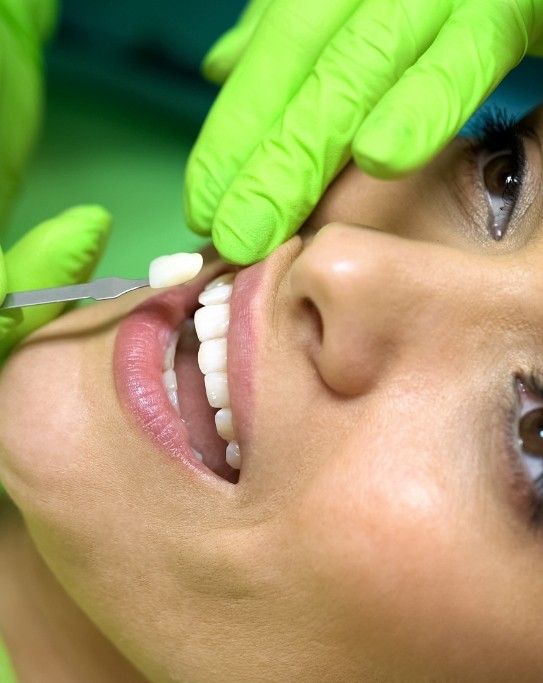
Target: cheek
{"points": [[43, 422], [54, 440], [402, 564]]}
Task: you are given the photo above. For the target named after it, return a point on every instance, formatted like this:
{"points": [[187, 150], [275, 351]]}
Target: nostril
{"points": [[312, 315]]}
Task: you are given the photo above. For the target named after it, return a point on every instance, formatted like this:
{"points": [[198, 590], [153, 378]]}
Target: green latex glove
{"points": [[61, 251], [388, 82], [24, 24], [6, 672]]}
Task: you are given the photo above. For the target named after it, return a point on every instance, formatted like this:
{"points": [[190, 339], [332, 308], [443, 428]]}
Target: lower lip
{"points": [[138, 358]]}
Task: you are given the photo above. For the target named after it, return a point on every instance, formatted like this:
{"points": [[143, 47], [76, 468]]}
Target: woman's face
{"points": [[385, 385]]}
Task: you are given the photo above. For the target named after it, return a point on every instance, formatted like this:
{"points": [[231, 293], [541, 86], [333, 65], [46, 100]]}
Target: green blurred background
{"points": [[125, 100]]}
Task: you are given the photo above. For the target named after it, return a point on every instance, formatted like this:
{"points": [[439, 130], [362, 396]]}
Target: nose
{"points": [[378, 297]]}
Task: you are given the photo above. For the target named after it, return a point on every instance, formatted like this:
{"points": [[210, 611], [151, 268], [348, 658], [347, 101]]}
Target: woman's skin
{"points": [[384, 527]]}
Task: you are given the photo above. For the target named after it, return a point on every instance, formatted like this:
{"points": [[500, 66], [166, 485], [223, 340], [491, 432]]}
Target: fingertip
{"points": [[222, 57], [387, 150], [249, 225], [235, 245], [233, 250], [89, 222], [92, 214], [61, 250], [77, 238], [196, 205]]}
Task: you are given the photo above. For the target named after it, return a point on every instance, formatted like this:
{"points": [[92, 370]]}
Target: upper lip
{"points": [[242, 345], [138, 356], [254, 292]]}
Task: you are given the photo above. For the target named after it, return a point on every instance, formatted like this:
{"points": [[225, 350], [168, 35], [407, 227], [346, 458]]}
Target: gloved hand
{"points": [[61, 251], [388, 82], [24, 24]]}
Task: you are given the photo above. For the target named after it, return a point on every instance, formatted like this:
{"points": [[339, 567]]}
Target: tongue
{"points": [[196, 412]]}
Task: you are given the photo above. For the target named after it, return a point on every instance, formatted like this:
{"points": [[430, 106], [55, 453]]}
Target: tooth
{"points": [[223, 422], [212, 355], [170, 351], [176, 269], [225, 278], [233, 455], [217, 295], [217, 389], [197, 455], [169, 357], [169, 379], [174, 400], [212, 321]]}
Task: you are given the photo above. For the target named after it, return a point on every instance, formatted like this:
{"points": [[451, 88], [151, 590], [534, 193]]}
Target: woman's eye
{"points": [[501, 174], [530, 434]]}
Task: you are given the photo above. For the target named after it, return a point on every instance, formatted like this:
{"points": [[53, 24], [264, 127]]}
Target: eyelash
{"points": [[494, 130]]}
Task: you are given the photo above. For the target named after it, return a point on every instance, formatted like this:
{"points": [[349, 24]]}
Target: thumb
{"points": [[61, 251], [9, 318]]}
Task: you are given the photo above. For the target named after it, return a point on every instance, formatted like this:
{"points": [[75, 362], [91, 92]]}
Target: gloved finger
{"points": [[434, 98], [226, 52], [44, 15], [11, 317], [20, 94], [7, 674], [312, 142], [275, 64], [61, 251]]}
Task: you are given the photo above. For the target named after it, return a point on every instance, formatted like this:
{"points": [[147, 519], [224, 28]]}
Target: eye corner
{"points": [[529, 384]]}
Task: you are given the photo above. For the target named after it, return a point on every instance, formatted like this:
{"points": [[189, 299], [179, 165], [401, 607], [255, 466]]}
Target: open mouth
{"points": [[171, 373], [196, 359]]}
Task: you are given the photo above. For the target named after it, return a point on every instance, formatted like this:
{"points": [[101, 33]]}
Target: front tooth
{"points": [[225, 278], [212, 321], [217, 295], [212, 355], [169, 355], [174, 400], [217, 389], [233, 455], [223, 422], [169, 379]]}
